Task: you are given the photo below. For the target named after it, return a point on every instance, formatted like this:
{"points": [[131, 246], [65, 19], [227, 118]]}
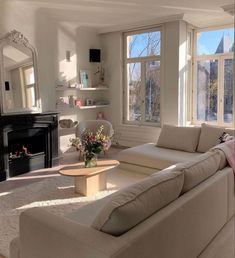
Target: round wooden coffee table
{"points": [[89, 180]]}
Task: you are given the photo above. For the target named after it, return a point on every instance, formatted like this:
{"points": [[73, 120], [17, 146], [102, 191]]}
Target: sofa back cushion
{"points": [[179, 138], [210, 135], [202, 167], [133, 204]]}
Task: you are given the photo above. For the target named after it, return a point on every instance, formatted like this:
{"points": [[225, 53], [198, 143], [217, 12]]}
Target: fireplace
{"points": [[29, 142]]}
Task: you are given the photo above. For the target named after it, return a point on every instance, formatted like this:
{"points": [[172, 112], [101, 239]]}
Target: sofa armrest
{"points": [[15, 248], [45, 235]]}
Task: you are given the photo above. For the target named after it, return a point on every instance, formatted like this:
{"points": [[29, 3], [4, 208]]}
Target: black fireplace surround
{"points": [[28, 142]]}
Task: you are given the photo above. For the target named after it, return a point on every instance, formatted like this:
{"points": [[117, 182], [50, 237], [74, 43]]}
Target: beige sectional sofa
{"points": [[181, 212], [175, 145]]}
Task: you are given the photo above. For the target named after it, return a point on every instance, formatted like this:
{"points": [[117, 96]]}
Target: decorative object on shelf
{"points": [[71, 85], [89, 102], [100, 116], [78, 86], [62, 102], [60, 84], [68, 123], [71, 101], [79, 103], [100, 71], [90, 145], [85, 77]]}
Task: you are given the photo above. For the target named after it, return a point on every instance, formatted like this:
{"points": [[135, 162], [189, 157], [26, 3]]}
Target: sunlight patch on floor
{"points": [[5, 193]]}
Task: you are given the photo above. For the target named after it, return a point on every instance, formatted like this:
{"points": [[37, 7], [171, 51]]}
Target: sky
{"points": [[208, 41]]}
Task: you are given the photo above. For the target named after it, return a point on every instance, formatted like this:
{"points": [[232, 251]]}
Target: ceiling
{"points": [[111, 15]]}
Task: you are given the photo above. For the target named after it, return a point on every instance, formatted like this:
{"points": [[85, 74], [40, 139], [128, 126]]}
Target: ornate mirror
{"points": [[18, 75]]}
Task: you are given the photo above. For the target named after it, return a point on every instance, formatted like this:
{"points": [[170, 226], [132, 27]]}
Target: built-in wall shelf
{"points": [[60, 109], [82, 89], [93, 106], [82, 103]]}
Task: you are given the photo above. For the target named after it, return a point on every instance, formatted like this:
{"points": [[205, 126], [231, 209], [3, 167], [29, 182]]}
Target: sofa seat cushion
{"points": [[179, 137], [201, 168], [148, 155], [133, 204], [210, 135]]}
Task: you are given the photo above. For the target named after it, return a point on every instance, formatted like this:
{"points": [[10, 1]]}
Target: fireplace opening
{"points": [[27, 150], [29, 142]]}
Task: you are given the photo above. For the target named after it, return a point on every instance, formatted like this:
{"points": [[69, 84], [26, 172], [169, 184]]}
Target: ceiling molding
{"points": [[141, 24]]}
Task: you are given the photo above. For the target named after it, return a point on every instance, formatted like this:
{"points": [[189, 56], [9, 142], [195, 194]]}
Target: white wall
{"points": [[41, 33]]}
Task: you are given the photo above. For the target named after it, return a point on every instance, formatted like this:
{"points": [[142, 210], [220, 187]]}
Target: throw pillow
{"points": [[179, 138], [210, 135], [132, 205]]}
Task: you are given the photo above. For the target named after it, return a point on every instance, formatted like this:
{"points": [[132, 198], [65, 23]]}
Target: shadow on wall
{"points": [[66, 70]]}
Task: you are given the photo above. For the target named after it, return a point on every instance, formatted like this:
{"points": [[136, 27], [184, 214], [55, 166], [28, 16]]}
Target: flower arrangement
{"points": [[90, 145]]}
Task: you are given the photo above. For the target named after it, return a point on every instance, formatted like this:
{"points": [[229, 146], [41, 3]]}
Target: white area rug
{"points": [[55, 195]]}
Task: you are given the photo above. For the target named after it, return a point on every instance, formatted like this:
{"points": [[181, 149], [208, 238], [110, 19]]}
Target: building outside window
{"points": [[142, 62], [213, 77]]}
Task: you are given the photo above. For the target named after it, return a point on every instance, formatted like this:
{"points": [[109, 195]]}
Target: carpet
{"points": [[56, 195]]}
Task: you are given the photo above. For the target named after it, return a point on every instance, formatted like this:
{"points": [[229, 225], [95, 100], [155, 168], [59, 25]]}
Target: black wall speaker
{"points": [[95, 55]]}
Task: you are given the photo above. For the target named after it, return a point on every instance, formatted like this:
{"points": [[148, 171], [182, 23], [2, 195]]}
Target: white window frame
{"points": [[220, 97], [189, 74], [142, 61]]}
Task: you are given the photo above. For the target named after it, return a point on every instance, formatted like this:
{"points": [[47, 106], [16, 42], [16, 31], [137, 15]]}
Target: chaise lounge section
{"points": [[175, 145]]}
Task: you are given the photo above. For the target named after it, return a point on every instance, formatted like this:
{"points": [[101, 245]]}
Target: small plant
{"points": [[91, 144]]}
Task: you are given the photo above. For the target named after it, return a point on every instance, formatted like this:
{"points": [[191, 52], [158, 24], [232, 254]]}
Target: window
{"points": [[213, 70], [142, 77], [29, 86]]}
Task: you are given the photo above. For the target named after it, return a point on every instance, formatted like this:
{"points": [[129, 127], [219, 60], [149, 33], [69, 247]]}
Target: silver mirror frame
{"points": [[15, 37]]}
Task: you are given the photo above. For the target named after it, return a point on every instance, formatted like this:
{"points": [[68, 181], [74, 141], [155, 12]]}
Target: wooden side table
{"points": [[89, 180]]}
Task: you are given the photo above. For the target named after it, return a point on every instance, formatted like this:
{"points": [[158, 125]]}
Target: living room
{"points": [[153, 58]]}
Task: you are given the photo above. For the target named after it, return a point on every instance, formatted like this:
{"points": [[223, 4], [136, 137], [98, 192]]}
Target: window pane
{"points": [[215, 41], [152, 92], [144, 44], [134, 89], [31, 101], [207, 90], [29, 76], [228, 90]]}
